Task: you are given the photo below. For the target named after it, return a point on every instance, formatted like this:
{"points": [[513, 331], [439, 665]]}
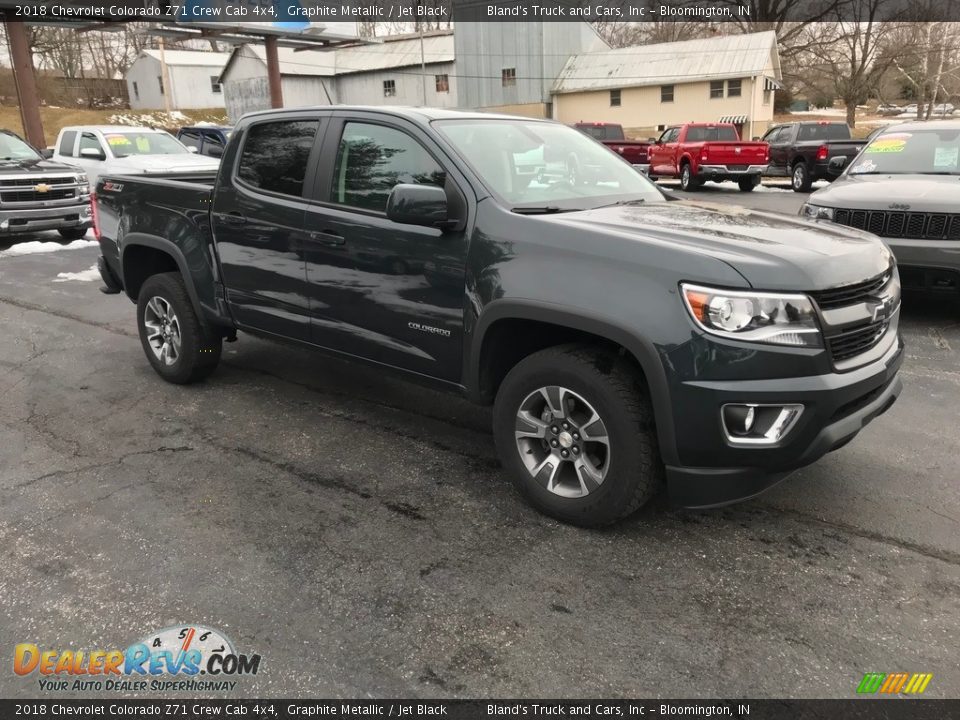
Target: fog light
{"points": [[5, 225], [758, 424]]}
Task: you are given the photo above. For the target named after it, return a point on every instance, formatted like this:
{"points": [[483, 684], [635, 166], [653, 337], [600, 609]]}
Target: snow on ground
{"points": [[838, 112], [88, 275], [37, 246]]}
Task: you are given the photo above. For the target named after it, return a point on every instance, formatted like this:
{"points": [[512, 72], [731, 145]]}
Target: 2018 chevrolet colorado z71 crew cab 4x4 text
{"points": [[621, 336]]}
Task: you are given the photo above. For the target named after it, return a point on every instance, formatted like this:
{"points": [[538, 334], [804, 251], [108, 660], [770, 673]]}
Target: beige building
{"points": [[648, 87]]}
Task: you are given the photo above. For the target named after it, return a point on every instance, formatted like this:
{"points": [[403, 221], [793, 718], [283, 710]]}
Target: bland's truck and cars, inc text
{"points": [[624, 337]]}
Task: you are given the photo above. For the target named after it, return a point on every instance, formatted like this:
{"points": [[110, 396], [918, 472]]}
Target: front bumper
{"points": [[709, 171], [836, 407], [24, 220], [932, 265]]}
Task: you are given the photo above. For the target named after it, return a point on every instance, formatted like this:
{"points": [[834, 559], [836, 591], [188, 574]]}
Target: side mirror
{"points": [[46, 153], [215, 151], [424, 205], [651, 140], [92, 154], [192, 149], [756, 138], [836, 164]]}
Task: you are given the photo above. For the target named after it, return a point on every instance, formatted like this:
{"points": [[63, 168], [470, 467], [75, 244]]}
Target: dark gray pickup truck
{"points": [[623, 337], [810, 150]]}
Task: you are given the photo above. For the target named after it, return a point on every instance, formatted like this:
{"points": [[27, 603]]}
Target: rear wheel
{"points": [[73, 233], [747, 184], [574, 430], [800, 178], [179, 346], [688, 182]]}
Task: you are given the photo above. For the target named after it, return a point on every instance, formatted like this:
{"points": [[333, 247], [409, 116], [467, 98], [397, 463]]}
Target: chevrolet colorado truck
{"points": [[698, 152], [809, 151], [39, 194], [622, 337], [612, 135]]}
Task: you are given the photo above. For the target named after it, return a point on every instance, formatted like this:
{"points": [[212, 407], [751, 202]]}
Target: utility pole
{"points": [[423, 67], [21, 58], [164, 77], [273, 71]]}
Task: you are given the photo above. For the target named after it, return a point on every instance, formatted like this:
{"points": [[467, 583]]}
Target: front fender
{"points": [[641, 348]]}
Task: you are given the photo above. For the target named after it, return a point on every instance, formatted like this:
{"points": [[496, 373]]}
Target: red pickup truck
{"points": [[697, 152], [612, 135]]}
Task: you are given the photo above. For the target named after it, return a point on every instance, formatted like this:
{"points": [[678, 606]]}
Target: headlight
{"points": [[774, 318], [84, 182], [816, 212]]}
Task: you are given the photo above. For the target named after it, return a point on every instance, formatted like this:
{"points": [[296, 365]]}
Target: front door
{"points": [[779, 141], [661, 162], [258, 224], [381, 290]]}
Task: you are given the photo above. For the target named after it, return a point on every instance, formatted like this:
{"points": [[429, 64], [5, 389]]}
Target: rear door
{"points": [[258, 218], [381, 290], [779, 139]]}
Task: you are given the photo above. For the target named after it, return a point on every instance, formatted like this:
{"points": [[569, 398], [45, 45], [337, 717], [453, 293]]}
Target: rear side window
{"points": [[88, 141], [829, 131], [704, 133], [372, 159], [67, 141], [275, 154], [190, 138]]}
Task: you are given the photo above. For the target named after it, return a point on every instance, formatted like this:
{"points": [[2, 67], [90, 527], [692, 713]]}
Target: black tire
{"points": [[747, 184], [688, 183], [73, 233], [199, 350], [633, 473], [800, 178]]}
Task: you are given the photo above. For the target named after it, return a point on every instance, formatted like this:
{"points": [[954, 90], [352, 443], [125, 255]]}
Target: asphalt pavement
{"points": [[357, 532]]}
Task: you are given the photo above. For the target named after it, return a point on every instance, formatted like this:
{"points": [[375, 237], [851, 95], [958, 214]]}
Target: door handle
{"points": [[234, 218], [327, 238]]}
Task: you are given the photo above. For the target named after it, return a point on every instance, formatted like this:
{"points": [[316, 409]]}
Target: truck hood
{"points": [[164, 163], [923, 193], [33, 166], [772, 252]]}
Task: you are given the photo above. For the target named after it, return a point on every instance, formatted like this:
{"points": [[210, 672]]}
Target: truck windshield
{"points": [[123, 144], [13, 148], [911, 152], [530, 163]]}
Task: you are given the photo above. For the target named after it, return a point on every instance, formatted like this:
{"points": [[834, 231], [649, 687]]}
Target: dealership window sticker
{"points": [[946, 156]]}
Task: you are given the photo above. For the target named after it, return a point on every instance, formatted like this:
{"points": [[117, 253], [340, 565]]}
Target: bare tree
{"points": [[619, 33], [933, 58]]}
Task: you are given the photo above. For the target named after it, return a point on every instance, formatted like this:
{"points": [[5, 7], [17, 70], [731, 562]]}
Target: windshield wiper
{"points": [[542, 210], [635, 201]]}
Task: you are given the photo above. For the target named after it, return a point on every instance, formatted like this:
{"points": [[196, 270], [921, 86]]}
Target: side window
{"points": [[66, 143], [212, 144], [190, 138], [88, 141], [374, 158], [672, 135], [772, 134], [274, 156]]}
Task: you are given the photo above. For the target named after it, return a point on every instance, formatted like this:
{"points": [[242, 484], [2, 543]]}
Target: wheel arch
{"points": [[497, 346], [144, 255]]}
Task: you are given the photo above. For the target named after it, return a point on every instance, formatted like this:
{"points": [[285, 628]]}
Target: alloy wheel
{"points": [[562, 441], [163, 330]]}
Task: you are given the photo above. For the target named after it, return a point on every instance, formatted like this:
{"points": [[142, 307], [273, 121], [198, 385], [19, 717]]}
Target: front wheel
{"points": [[176, 342], [574, 430]]}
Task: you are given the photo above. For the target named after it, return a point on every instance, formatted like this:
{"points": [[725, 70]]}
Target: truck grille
{"points": [[851, 294], [19, 196], [932, 226], [858, 339], [31, 181]]}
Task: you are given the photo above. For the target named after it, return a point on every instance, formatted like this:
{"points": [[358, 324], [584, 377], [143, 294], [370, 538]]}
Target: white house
{"points": [[398, 71], [194, 80]]}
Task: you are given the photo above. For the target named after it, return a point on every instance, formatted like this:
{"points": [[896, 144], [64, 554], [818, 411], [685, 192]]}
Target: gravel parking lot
{"points": [[356, 531]]}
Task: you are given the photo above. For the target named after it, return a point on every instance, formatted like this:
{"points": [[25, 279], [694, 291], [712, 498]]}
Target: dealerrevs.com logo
{"points": [[189, 658]]}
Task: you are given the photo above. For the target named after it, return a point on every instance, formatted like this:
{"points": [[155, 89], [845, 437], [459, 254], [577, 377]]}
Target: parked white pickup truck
{"points": [[124, 150]]}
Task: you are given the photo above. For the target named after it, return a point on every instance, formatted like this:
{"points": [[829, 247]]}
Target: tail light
{"points": [[95, 214], [822, 152], [704, 154]]}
